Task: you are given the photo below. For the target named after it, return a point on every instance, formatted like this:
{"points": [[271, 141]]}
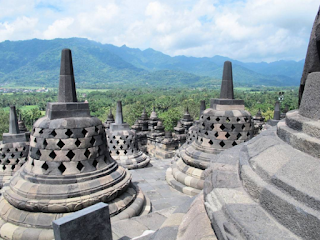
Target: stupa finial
{"points": [[119, 117], [13, 125], [227, 82], [67, 87], [202, 106]]}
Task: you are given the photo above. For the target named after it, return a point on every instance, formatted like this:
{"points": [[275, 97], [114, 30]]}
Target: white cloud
{"points": [[248, 30]]}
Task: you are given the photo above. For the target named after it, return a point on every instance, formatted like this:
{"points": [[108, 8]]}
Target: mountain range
{"points": [[36, 63]]}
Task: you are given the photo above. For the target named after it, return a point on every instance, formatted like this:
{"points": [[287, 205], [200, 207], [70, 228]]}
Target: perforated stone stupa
{"points": [[224, 125], [69, 168], [21, 125], [258, 121], [122, 143], [187, 120], [14, 149], [268, 188]]}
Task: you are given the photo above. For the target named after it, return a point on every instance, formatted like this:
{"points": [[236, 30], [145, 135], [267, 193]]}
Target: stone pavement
{"points": [[152, 181]]}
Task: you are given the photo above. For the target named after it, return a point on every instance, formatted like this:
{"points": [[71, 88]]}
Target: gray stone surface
{"points": [[312, 62], [309, 106], [67, 87], [202, 107], [90, 223], [227, 81]]}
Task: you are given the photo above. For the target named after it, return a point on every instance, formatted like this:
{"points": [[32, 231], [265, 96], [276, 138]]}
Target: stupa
{"points": [[276, 115], [258, 121], [180, 133], [268, 188], [187, 120], [69, 168], [21, 125], [153, 120], [110, 119], [224, 125], [122, 143], [14, 149]]}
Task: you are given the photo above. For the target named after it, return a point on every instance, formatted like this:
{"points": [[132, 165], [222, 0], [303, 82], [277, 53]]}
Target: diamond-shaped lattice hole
{"points": [[246, 119], [201, 140], [4, 167], [24, 148], [45, 166], [95, 163], [60, 144], [243, 126], [117, 152], [121, 147], [17, 161], [233, 127], [92, 141], [216, 134], [3, 155], [248, 134], [227, 119], [234, 144], [38, 153], [84, 132], [12, 155], [53, 133], [124, 142], [7, 161], [32, 163], [70, 154], [8, 150], [114, 137], [77, 142], [217, 119], [208, 118], [62, 168], [203, 124], [227, 135], [202, 116], [110, 152], [35, 140], [127, 136], [118, 142], [239, 136], [114, 147], [16, 149], [110, 141], [69, 133], [87, 153], [238, 119], [41, 131], [52, 155], [210, 142], [125, 152], [45, 143], [222, 144], [96, 129], [206, 133], [80, 166], [199, 131], [212, 126], [222, 127], [13, 166], [21, 154], [131, 150]]}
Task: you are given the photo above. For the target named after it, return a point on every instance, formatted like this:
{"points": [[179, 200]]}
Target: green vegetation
{"points": [[170, 104]]}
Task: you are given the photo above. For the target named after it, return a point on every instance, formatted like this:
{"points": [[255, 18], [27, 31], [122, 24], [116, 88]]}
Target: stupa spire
{"points": [[276, 115], [202, 106], [119, 117], [227, 82], [13, 125], [67, 87]]}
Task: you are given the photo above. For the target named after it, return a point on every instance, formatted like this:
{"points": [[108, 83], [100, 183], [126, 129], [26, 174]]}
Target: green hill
{"points": [[37, 62]]}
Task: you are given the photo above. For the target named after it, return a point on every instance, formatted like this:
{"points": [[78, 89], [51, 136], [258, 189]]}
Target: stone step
{"points": [[179, 186]]}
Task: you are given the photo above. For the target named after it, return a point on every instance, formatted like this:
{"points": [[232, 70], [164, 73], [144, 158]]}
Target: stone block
{"points": [[90, 223]]}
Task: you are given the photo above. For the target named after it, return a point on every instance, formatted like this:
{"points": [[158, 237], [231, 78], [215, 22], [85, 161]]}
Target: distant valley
{"points": [[37, 62]]}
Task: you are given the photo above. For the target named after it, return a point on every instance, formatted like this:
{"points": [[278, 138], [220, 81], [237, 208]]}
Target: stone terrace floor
{"points": [[152, 181]]}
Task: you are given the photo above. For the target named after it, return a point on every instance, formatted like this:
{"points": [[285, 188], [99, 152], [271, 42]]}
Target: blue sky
{"points": [[246, 30]]}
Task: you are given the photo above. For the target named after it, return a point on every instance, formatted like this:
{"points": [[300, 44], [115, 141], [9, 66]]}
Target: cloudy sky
{"points": [[246, 30]]}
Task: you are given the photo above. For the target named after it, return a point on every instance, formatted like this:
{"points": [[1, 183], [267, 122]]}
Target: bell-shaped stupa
{"points": [[224, 125], [122, 143], [14, 149], [110, 119], [268, 188], [69, 168]]}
